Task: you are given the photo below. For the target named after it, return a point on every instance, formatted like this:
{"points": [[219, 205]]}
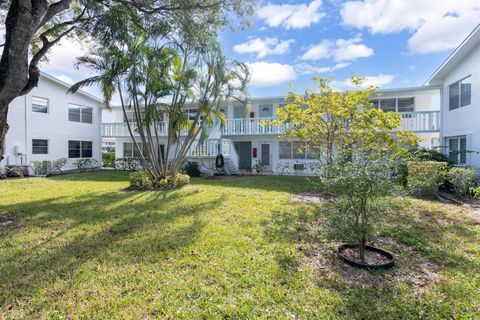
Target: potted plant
{"points": [[364, 190]]}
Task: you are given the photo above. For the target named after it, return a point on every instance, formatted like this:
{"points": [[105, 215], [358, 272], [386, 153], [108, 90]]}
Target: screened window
{"points": [[39, 105], [374, 103], [295, 150], [387, 105], [80, 149], [285, 149], [39, 146], [129, 149], [406, 104], [460, 93], [78, 113], [457, 149]]}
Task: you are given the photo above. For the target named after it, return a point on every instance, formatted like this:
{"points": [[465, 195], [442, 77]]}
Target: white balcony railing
{"points": [[418, 121], [212, 147]]}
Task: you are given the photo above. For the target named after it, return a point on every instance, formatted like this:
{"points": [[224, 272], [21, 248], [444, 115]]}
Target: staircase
{"points": [[206, 153]]}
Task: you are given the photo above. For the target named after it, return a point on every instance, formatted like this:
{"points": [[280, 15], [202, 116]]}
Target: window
{"points": [[39, 146], [285, 149], [78, 113], [266, 111], [374, 103], [295, 150], [80, 149], [192, 114], [406, 104], [460, 93], [388, 105], [39, 105], [129, 149], [457, 149], [238, 112]]}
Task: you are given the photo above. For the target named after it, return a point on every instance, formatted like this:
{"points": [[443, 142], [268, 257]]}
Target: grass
{"points": [[84, 247]]}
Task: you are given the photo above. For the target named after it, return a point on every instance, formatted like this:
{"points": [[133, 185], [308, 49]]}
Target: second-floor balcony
{"points": [[417, 121]]}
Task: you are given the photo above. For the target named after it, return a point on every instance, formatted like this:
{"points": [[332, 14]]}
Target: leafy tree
{"points": [[364, 187], [33, 27], [157, 78], [331, 121]]}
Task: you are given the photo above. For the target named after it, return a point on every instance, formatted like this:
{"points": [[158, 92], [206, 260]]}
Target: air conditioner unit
{"points": [[299, 166], [19, 149]]}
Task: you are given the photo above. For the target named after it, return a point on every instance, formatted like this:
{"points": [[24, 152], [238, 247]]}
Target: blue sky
{"points": [[394, 43]]}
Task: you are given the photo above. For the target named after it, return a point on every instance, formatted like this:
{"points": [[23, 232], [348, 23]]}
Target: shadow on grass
{"points": [[433, 235], [103, 227], [94, 176]]}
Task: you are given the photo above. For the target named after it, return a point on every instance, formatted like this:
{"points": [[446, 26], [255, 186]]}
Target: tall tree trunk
{"points": [[18, 76]]}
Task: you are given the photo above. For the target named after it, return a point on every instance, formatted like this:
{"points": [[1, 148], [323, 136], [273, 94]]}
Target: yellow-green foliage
{"points": [[143, 180], [424, 177], [463, 180], [328, 120]]}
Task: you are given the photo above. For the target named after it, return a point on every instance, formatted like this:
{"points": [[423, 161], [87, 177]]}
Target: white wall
{"points": [[54, 126], [464, 121]]}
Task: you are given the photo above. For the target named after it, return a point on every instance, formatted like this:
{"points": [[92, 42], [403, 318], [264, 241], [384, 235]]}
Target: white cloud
{"points": [[377, 81], [291, 16], [340, 50], [63, 55], [270, 74], [306, 69], [435, 25], [263, 47]]}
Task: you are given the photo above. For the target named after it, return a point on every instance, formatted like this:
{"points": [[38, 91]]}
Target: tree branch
{"points": [[54, 9]]}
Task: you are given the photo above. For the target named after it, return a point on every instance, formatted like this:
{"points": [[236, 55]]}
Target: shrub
{"points": [[463, 180], [423, 154], [174, 181], [258, 167], [108, 159], [143, 180], [85, 164], [424, 177], [47, 167], [192, 168], [476, 192], [363, 187], [129, 163]]}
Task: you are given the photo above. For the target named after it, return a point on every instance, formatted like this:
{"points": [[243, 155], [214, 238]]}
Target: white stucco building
{"points": [[49, 123], [459, 77], [244, 141]]}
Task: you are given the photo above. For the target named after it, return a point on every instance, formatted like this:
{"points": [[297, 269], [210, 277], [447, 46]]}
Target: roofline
{"points": [[420, 88], [66, 85], [474, 31]]}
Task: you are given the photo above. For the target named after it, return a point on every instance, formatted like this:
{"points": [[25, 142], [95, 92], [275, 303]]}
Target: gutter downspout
{"points": [[26, 133]]}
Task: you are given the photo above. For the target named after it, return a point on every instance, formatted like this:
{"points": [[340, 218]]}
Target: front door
{"points": [[244, 151], [265, 155]]}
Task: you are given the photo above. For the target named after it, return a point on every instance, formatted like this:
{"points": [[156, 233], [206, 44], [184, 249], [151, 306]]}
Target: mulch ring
{"points": [[414, 269], [8, 222], [311, 197]]}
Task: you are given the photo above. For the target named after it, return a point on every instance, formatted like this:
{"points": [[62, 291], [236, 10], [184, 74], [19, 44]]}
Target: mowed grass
{"points": [[82, 246]]}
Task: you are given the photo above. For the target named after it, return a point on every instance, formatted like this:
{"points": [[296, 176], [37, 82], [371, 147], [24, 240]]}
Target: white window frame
{"points": [[48, 143], [293, 152], [73, 105], [459, 87], [458, 156], [377, 104], [42, 98]]}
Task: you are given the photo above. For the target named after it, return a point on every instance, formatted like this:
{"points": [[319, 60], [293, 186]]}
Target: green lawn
{"points": [[84, 247]]}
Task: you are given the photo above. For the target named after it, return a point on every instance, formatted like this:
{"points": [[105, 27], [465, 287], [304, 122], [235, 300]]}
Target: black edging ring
{"points": [[219, 161], [386, 265]]}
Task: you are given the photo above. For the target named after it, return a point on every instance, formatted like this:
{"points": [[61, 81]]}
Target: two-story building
{"points": [[48, 124], [244, 140], [459, 77]]}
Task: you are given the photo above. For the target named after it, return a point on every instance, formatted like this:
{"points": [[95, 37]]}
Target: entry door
{"points": [[244, 151], [265, 155]]}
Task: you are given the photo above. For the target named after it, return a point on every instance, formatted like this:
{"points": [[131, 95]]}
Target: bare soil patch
{"points": [[311, 197], [8, 222], [371, 257]]}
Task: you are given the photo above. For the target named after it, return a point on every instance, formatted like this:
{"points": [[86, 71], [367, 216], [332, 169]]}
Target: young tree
{"points": [[330, 121], [156, 79], [33, 27]]}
